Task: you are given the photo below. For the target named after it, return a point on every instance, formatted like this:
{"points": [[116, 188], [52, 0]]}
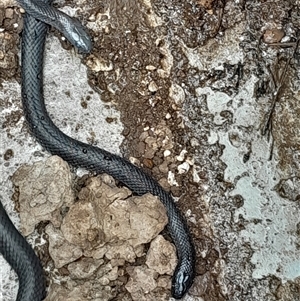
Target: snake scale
{"points": [[78, 154]]}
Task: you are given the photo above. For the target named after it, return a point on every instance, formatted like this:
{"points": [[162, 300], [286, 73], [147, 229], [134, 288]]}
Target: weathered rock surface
{"points": [[106, 214], [61, 251], [160, 256], [84, 268], [43, 188], [141, 282], [74, 292], [144, 284]]}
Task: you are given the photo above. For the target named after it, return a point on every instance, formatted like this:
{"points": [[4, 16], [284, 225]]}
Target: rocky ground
{"points": [[201, 94]]}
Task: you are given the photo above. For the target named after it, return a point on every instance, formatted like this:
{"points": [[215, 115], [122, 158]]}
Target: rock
{"points": [[82, 292], [117, 262], [106, 274], [289, 188], [121, 250], [96, 253], [59, 293], [273, 35], [183, 168], [176, 93], [141, 282], [43, 188], [152, 147], [136, 220], [206, 3], [200, 285], [181, 157], [152, 86], [108, 215], [164, 282], [61, 251], [81, 226], [161, 256], [8, 57], [84, 268]]}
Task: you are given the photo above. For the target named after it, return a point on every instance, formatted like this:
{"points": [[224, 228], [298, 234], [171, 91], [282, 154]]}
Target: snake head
{"points": [[182, 280], [79, 37]]}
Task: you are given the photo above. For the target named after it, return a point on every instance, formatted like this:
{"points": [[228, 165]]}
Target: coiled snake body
{"points": [[78, 154]]}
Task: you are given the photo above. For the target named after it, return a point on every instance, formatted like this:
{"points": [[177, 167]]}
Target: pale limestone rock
{"points": [[117, 262], [121, 250], [61, 251], [43, 188], [142, 281], [167, 60], [105, 191], [96, 253], [136, 220], [113, 274], [164, 282], [289, 188], [161, 256], [200, 285], [176, 93], [84, 268], [81, 226], [6, 3], [105, 214], [109, 273], [82, 292], [59, 293], [152, 86]]}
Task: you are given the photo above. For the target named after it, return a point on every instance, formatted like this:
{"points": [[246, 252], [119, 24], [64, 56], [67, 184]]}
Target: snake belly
{"points": [[94, 159]]}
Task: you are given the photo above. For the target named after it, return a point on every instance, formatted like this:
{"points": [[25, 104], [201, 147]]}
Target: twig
{"points": [[283, 45], [220, 18], [278, 87]]}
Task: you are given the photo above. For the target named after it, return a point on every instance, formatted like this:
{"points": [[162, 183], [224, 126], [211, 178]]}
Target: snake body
{"points": [[19, 254], [79, 154]]}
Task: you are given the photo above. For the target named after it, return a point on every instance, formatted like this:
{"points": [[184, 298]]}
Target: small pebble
{"points": [[167, 153]]}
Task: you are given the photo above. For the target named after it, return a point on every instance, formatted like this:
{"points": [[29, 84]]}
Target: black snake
{"points": [[14, 248]]}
